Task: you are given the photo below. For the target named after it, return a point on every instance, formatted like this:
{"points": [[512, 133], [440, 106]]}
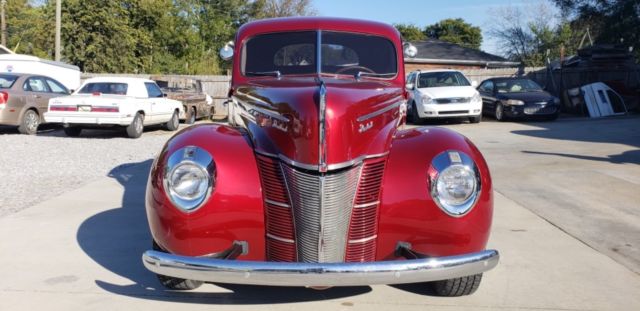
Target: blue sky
{"points": [[420, 12]]}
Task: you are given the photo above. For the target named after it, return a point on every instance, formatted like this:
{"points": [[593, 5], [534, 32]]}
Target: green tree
{"points": [[456, 31], [283, 8], [410, 32], [30, 28]]}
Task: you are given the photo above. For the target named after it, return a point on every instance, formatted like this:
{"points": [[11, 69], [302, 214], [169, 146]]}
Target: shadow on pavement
{"points": [[619, 130], [116, 239]]}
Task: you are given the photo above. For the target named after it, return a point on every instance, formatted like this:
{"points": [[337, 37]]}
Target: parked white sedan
{"points": [[115, 101], [442, 94]]}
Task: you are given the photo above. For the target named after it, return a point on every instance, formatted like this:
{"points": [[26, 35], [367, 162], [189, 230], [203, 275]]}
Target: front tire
{"points": [[134, 130], [463, 286], [192, 116], [499, 113], [475, 119], [175, 283], [173, 123], [414, 116], [72, 131], [29, 123]]}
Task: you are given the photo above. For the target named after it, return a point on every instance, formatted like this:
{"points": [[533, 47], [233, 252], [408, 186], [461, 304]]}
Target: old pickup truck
{"points": [[314, 183]]}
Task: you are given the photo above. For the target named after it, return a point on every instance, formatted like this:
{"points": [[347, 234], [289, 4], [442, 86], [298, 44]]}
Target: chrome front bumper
{"points": [[319, 274]]}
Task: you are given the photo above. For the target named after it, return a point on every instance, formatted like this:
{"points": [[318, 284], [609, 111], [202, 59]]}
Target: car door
{"points": [[160, 107], [37, 94]]}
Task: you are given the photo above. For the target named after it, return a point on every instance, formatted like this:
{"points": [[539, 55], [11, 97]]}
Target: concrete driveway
{"points": [[81, 250]]}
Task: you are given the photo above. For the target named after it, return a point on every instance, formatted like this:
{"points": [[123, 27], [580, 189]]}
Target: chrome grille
{"points": [[322, 206], [453, 100]]}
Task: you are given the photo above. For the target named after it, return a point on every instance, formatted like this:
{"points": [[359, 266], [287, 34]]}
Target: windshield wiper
{"points": [[360, 74], [275, 73]]}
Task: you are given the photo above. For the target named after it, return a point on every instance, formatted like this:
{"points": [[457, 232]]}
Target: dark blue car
{"points": [[511, 98]]}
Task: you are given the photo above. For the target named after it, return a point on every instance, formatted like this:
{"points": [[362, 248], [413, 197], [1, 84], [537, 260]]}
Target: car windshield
{"points": [[517, 86], [296, 53], [7, 81], [104, 88], [442, 79]]}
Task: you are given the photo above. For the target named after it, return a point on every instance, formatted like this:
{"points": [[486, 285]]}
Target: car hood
{"points": [[527, 97], [283, 118], [448, 91]]}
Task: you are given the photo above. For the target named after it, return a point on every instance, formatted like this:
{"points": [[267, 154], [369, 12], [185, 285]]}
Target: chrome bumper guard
{"points": [[319, 274]]}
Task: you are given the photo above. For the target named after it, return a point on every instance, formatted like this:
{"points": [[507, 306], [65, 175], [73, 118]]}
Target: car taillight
{"points": [[96, 93], [63, 108], [105, 109], [4, 97]]}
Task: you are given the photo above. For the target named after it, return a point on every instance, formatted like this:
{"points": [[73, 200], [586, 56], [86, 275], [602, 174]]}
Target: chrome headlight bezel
{"points": [[452, 159], [201, 161]]}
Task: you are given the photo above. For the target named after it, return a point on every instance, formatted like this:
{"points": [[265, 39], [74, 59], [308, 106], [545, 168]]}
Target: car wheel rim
{"points": [[138, 125], [192, 119], [499, 112], [174, 120], [32, 121]]}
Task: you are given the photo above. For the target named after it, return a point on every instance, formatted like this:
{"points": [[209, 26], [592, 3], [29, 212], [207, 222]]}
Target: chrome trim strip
{"points": [[248, 106], [363, 240], [319, 274], [314, 167], [379, 112], [258, 100], [366, 204], [277, 203], [322, 113], [277, 238]]}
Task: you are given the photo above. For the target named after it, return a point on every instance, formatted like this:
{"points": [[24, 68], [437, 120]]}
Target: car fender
{"points": [[407, 211], [233, 212]]}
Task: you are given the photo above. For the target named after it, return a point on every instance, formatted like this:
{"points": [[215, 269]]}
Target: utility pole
{"points": [[3, 23], [58, 26]]}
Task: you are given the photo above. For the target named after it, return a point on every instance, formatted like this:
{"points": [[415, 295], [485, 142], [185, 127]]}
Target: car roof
{"points": [[116, 79]]}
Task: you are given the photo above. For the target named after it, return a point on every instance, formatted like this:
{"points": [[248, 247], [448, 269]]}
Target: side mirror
{"points": [[409, 50], [474, 83], [165, 95], [226, 52], [72, 91], [409, 86]]}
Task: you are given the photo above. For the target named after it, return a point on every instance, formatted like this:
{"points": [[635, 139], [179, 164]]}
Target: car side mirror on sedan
{"points": [[409, 86], [474, 83], [165, 95]]}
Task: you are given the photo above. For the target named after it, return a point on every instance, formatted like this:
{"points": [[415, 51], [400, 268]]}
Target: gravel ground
{"points": [[36, 168]]}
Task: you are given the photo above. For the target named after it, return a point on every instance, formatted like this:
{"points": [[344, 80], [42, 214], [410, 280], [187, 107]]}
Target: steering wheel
{"points": [[362, 68]]}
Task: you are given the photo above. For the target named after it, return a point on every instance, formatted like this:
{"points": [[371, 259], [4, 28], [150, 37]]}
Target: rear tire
{"points": [[463, 286], [475, 119], [72, 131], [134, 130], [173, 123], [175, 283], [29, 123]]}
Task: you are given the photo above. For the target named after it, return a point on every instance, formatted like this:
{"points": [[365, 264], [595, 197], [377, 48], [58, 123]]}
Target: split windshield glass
{"points": [[295, 53]]}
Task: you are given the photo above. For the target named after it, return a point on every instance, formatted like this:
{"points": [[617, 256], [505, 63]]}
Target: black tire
{"points": [[499, 112], [463, 286], [173, 123], [414, 117], [29, 123], [192, 116], [134, 130], [475, 119], [72, 131], [175, 283]]}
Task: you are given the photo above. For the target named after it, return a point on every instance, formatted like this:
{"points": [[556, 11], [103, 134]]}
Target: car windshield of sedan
{"points": [[517, 86], [7, 81], [442, 79], [104, 88], [295, 53]]}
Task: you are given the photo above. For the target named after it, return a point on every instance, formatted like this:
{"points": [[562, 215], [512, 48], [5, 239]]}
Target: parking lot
{"points": [[567, 224]]}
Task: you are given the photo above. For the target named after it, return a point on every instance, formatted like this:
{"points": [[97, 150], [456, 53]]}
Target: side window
{"points": [[35, 85], [487, 87], [56, 87], [153, 90]]}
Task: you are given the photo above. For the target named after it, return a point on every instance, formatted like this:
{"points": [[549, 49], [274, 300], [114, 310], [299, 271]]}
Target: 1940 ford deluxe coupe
{"points": [[313, 183]]}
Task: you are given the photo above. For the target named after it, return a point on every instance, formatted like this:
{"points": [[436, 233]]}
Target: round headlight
{"points": [[455, 184], [189, 177], [188, 181]]}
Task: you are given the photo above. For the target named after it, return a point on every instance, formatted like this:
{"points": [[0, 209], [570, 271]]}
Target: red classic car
{"points": [[314, 183]]}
